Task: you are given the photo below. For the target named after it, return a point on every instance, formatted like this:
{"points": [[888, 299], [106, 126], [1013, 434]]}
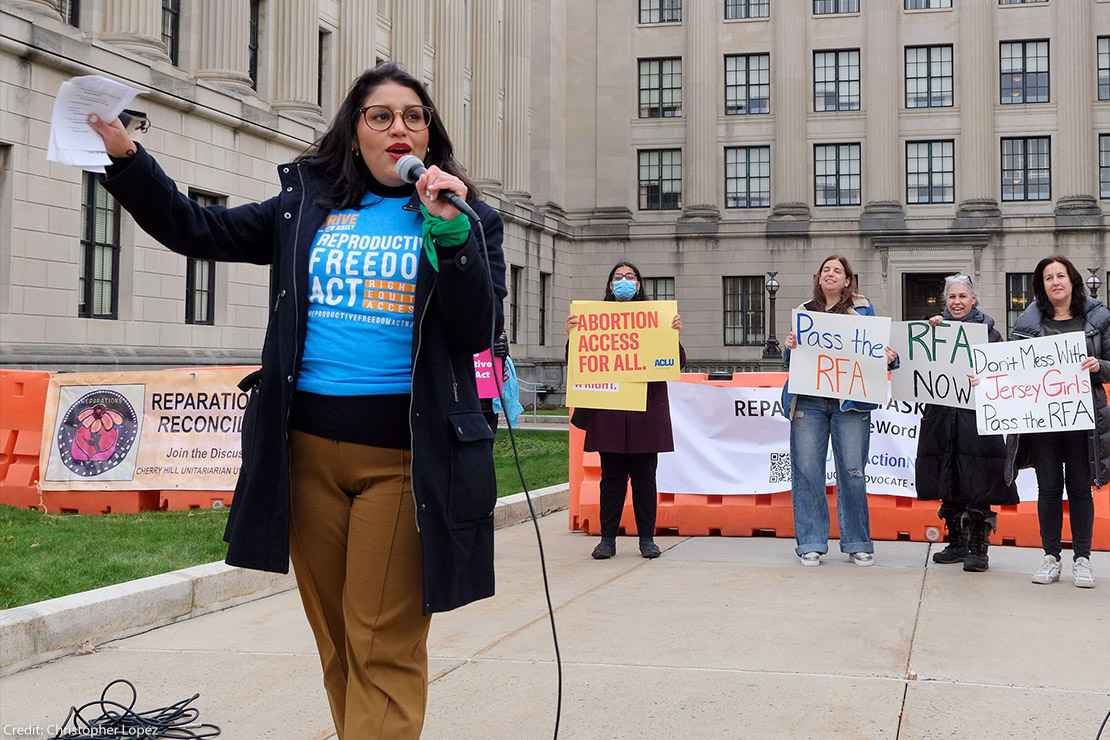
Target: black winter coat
{"points": [[1096, 325], [452, 445], [954, 463]]}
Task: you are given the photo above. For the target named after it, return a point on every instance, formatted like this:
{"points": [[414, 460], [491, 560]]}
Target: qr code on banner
{"points": [[779, 471]]}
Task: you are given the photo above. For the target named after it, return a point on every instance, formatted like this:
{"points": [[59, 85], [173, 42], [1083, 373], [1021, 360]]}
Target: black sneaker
{"points": [[649, 549], [605, 549]]}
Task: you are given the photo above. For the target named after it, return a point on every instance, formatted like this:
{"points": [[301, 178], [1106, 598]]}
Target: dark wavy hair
{"points": [[1078, 288], [639, 282], [346, 175], [847, 296]]}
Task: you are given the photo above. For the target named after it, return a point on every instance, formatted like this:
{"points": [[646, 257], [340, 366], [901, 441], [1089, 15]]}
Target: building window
{"points": [[71, 12], [660, 11], [747, 177], [743, 315], [1026, 169], [747, 84], [252, 44], [836, 170], [660, 88], [1023, 72], [545, 295], [98, 293], [833, 7], [1104, 67], [927, 4], [323, 61], [200, 275], [1104, 172], [747, 9], [836, 80], [928, 76], [930, 172], [1019, 294], [516, 275], [660, 179], [171, 25], [659, 288]]}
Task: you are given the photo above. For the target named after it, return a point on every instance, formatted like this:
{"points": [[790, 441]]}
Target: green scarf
{"points": [[439, 232]]}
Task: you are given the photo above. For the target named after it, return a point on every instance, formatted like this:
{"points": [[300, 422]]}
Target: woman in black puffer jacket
{"points": [[957, 465]]}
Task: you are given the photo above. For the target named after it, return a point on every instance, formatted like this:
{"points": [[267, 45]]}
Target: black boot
{"points": [[605, 549], [957, 538], [649, 549], [979, 529]]}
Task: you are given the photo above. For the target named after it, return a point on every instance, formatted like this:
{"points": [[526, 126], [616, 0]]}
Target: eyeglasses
{"points": [[624, 276], [380, 118]]}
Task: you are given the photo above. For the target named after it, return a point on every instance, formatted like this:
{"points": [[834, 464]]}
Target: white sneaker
{"points": [[810, 559], [862, 559], [1081, 574], [1049, 571]]}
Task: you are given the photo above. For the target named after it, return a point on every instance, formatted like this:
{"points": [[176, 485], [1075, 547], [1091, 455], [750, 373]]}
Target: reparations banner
{"points": [[157, 430]]}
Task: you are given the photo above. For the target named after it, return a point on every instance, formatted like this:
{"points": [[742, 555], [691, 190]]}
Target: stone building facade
{"points": [[709, 141]]}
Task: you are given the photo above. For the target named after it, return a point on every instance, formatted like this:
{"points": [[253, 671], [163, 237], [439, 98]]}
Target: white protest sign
{"points": [[840, 356], [1033, 385], [935, 362]]}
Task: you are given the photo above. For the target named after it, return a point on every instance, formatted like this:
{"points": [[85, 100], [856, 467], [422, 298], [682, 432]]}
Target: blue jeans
{"points": [[813, 422]]}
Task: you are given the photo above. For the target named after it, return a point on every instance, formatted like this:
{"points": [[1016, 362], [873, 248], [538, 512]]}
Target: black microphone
{"points": [[410, 169]]}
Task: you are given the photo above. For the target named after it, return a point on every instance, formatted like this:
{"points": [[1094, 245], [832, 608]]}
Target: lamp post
{"points": [[1094, 282], [771, 350]]}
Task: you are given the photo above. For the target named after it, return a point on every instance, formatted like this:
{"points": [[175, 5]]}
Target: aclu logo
{"points": [[665, 362]]}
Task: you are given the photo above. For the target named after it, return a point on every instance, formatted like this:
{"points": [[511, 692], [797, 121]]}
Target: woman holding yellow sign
{"points": [[813, 420], [629, 442]]}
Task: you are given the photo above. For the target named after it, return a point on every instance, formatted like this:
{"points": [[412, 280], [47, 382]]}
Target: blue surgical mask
{"points": [[624, 289]]}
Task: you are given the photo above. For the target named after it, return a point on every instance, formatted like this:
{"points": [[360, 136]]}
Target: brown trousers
{"points": [[356, 554]]}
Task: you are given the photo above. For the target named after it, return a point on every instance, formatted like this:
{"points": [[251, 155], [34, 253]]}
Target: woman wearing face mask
{"points": [[954, 463], [813, 420], [1074, 459], [629, 442]]}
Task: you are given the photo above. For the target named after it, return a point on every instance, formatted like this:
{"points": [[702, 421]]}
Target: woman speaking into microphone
{"points": [[366, 457]]}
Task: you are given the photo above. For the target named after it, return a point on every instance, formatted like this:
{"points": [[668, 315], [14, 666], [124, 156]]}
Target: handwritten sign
{"points": [[840, 356], [611, 396], [617, 341], [935, 363], [487, 370], [1034, 385]]}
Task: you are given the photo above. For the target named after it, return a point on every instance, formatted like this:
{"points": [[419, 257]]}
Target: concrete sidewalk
{"points": [[719, 638]]}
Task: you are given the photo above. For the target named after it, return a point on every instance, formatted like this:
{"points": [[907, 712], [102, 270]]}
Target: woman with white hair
{"points": [[954, 463]]}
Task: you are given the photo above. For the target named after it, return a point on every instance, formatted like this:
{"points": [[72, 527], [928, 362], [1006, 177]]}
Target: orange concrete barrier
{"points": [[184, 500], [771, 515], [22, 400]]}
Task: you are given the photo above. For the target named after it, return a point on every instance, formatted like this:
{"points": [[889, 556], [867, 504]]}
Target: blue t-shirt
{"points": [[361, 295]]}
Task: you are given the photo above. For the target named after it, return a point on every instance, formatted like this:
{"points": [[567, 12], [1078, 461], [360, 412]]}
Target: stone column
{"points": [[409, 27], [517, 67], [699, 109], [136, 26], [1075, 144], [977, 153], [224, 38], [486, 93], [450, 68], [883, 209], [791, 152], [297, 41], [49, 8], [358, 24]]}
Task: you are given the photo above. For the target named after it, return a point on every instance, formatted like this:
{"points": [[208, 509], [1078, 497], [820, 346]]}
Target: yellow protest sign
{"points": [[617, 341], [610, 396]]}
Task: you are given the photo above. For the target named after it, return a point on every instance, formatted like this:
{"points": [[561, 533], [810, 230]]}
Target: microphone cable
{"points": [[1103, 726], [477, 224], [116, 720]]}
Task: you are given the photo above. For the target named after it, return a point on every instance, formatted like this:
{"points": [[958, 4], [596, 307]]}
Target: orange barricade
{"points": [[771, 515], [22, 399]]}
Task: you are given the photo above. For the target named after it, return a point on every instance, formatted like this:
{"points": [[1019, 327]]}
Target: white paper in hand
{"points": [[72, 140]]}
